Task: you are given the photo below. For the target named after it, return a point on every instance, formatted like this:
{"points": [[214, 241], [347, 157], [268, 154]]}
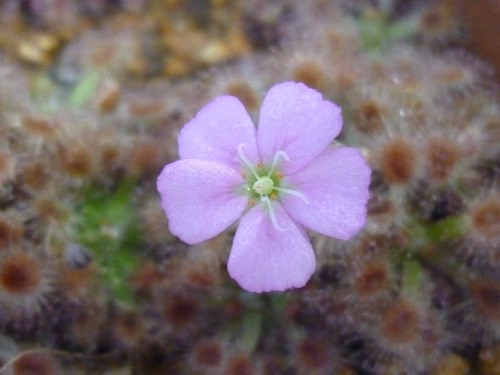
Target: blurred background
{"points": [[92, 97]]}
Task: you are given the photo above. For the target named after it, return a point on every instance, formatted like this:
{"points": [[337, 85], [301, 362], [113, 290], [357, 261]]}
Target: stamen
{"points": [[265, 198], [245, 160], [275, 161], [295, 193]]}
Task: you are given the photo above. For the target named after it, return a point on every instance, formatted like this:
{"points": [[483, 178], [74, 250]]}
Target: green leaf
{"points": [[403, 29], [450, 228], [373, 32], [251, 331], [84, 89], [412, 272], [109, 227], [279, 301]]}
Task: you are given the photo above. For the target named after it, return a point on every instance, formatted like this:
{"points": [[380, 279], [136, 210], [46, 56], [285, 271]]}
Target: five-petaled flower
{"points": [[282, 177]]}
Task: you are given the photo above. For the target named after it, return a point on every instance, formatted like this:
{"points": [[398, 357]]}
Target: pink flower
{"points": [[281, 178]]}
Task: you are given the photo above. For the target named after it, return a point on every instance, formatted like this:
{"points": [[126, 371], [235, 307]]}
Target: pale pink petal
{"points": [[265, 259], [200, 198], [336, 187], [296, 119], [216, 132]]}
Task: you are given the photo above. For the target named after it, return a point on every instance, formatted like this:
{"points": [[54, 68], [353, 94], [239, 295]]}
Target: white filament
{"points": [[295, 193], [281, 153], [267, 201], [245, 160]]}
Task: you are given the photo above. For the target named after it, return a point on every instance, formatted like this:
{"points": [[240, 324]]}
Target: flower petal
{"points": [[336, 187], [296, 119], [265, 259], [200, 198], [216, 131]]}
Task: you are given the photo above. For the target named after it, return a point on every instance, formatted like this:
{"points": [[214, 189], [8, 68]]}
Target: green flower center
{"points": [[263, 185]]}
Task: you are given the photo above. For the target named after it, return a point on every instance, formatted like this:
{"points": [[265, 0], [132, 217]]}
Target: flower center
{"points": [[265, 182], [263, 185]]}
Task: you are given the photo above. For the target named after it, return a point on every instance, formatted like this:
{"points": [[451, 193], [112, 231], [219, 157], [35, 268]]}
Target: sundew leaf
{"points": [[108, 226]]}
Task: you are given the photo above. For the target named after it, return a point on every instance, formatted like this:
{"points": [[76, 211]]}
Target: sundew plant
{"points": [[249, 187]]}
